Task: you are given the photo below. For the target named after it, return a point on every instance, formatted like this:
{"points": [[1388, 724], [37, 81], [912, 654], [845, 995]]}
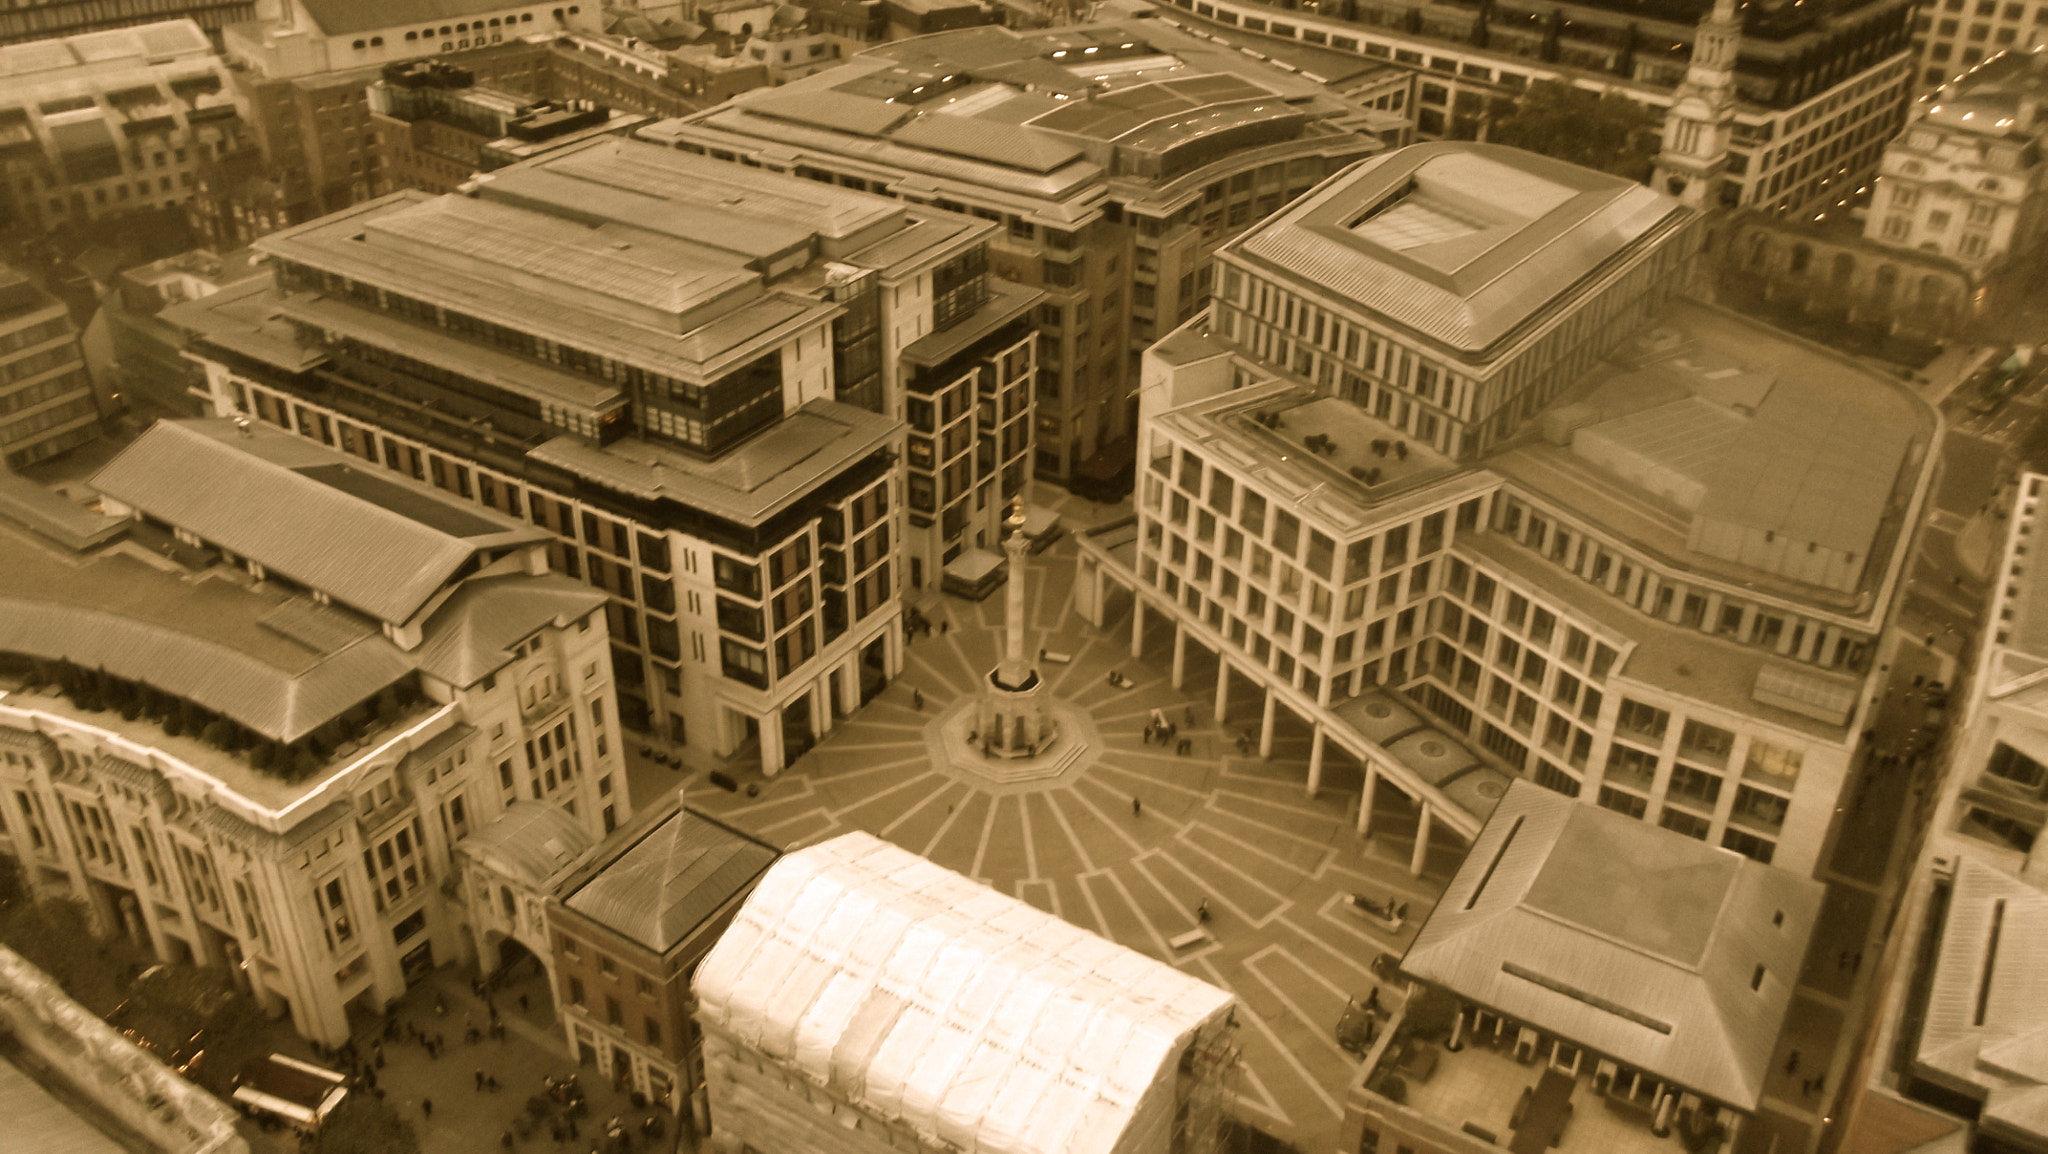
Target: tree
{"points": [[363, 1125], [57, 938], [1430, 1013], [1602, 130], [179, 1012]]}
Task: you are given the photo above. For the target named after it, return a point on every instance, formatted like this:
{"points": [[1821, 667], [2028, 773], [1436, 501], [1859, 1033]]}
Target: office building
{"points": [[46, 401], [1964, 180], [1951, 37], [866, 1000], [1452, 473], [436, 127], [55, 19], [629, 923], [302, 76], [1117, 157], [150, 371], [1592, 957], [1816, 94], [252, 731], [1949, 1059], [103, 124], [681, 368]]}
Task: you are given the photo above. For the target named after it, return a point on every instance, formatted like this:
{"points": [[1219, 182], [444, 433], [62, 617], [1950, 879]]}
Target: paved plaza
{"points": [[1275, 866]]}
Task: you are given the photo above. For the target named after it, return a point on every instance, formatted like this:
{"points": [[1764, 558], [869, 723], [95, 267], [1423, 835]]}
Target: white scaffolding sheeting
{"points": [[931, 999]]}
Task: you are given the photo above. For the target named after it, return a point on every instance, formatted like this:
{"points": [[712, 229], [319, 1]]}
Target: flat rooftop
{"points": [[1041, 114], [749, 483], [77, 58], [1461, 243], [1818, 449], [673, 262], [1351, 476]]}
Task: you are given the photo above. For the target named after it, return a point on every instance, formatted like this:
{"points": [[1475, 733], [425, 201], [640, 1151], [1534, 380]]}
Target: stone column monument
{"points": [[1012, 720]]}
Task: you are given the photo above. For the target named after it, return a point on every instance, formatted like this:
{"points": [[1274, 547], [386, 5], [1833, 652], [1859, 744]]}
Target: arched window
{"points": [[1802, 256], [411, 36], [1886, 282], [1759, 251], [376, 42], [1845, 268]]}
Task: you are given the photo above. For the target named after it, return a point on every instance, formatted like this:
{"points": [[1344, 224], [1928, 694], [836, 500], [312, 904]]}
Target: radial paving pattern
{"points": [[1274, 866]]}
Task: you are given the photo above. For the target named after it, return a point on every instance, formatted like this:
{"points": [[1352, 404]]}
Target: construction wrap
{"points": [[977, 1020]]}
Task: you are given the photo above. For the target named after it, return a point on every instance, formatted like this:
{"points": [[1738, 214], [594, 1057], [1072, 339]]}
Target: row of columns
{"points": [[1666, 1098], [1318, 740]]}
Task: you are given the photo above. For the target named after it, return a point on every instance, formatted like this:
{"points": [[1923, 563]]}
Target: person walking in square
{"points": [[1137, 807], [427, 1107]]}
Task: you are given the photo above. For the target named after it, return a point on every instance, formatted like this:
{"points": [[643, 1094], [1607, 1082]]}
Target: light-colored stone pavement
{"points": [[1274, 866]]}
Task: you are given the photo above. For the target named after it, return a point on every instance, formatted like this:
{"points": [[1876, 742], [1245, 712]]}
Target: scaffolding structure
{"points": [[1207, 1090]]}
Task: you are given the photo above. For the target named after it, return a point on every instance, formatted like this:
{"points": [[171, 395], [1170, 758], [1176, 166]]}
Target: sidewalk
{"points": [[464, 1119]]}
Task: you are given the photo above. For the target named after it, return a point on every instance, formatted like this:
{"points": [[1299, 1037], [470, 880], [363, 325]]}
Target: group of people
{"points": [[1167, 732]]}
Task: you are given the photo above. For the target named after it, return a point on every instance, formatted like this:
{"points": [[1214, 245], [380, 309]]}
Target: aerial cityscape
{"points": [[1023, 576]]}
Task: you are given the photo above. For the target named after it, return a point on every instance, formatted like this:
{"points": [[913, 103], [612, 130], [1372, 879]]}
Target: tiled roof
{"points": [[364, 536], [1663, 953], [668, 882]]}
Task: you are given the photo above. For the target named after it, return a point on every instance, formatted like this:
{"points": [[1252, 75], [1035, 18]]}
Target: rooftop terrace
{"points": [[1461, 243]]}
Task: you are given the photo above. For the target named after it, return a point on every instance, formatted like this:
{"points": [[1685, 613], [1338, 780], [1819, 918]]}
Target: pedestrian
{"points": [[427, 1107], [946, 623], [522, 1003], [917, 698], [479, 1080], [1137, 807], [1792, 1064], [1202, 911], [491, 1083]]}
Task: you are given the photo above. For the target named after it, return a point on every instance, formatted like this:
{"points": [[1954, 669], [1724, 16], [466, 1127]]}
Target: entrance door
{"points": [[417, 963]]}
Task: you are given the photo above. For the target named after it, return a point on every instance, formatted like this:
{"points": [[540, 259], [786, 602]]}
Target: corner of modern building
{"points": [[692, 375], [1116, 157], [1452, 472]]}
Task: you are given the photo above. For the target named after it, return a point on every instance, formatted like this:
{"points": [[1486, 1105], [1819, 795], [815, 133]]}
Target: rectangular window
{"points": [[1644, 721], [1620, 802], [2011, 765], [1695, 785], [1772, 765]]}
